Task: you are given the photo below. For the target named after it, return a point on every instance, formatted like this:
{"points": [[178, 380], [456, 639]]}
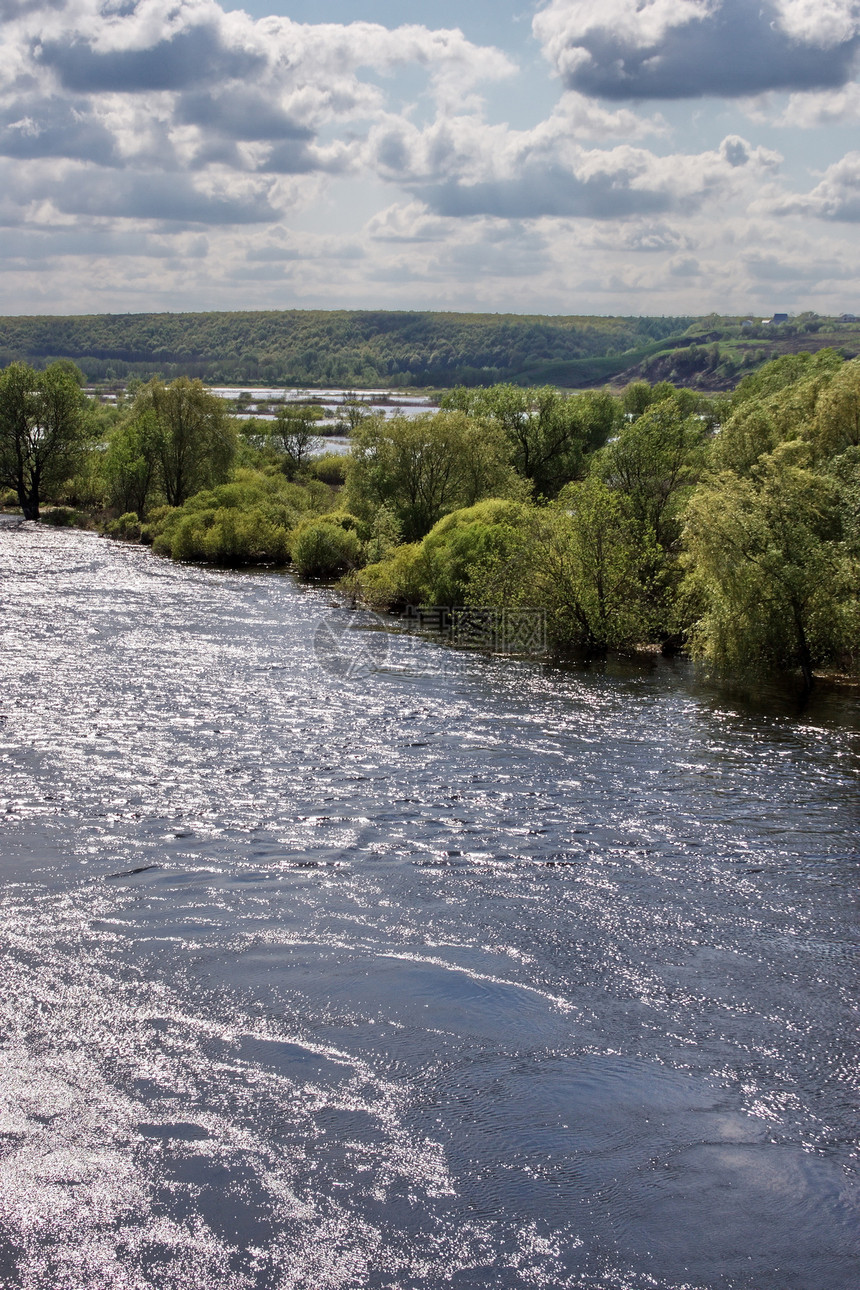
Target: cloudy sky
{"points": [[565, 156]]}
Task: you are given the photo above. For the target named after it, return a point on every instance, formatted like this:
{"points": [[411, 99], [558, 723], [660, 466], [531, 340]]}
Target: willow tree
{"points": [[548, 432], [766, 555], [421, 468], [194, 438], [45, 428]]}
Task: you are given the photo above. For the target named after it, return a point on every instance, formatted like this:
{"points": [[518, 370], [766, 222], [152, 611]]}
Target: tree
{"points": [[764, 552], [580, 560], [131, 463], [292, 434], [45, 427], [652, 463], [196, 437], [423, 467], [836, 423], [546, 430]]}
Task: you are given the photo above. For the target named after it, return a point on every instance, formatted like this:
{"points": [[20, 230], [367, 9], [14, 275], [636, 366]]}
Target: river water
{"points": [[431, 970]]}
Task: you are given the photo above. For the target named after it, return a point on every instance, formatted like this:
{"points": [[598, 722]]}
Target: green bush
{"points": [[393, 583], [127, 527], [247, 521], [327, 547], [227, 536], [330, 468], [63, 517], [462, 541], [438, 570], [8, 499]]}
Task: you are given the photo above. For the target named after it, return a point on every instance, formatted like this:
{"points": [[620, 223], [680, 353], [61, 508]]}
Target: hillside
{"points": [[715, 353], [361, 349], [401, 350]]}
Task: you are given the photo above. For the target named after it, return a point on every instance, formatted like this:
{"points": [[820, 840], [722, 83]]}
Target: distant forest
{"points": [[343, 348]]}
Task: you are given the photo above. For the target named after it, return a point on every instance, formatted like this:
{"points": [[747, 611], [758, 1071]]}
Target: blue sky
{"points": [[560, 156]]}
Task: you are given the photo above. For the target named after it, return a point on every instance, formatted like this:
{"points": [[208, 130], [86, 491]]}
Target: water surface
{"points": [[428, 970]]}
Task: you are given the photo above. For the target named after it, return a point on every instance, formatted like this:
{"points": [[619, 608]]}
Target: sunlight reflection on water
{"points": [[491, 974]]}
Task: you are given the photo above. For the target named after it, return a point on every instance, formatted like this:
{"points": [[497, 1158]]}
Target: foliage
{"points": [[548, 433], [423, 467], [328, 546], [652, 463], [131, 462], [63, 517], [293, 436], [392, 583], [785, 372], [126, 527], [46, 425], [339, 347], [193, 440], [463, 541], [780, 589], [248, 521], [580, 561], [330, 467]]}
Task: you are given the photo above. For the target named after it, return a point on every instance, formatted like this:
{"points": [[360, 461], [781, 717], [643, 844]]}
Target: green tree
{"points": [[546, 430], [196, 438], [764, 552], [652, 464], [423, 467], [581, 561], [292, 434], [132, 461], [46, 426], [836, 421]]}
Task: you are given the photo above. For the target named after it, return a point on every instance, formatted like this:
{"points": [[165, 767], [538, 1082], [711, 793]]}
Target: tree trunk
{"points": [[804, 653]]}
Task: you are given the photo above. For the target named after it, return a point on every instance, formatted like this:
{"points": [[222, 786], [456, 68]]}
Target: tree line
{"points": [[728, 527], [351, 348]]}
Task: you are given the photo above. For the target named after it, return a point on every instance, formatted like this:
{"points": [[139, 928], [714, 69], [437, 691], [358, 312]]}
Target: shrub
{"points": [[392, 583], [330, 468], [228, 536], [438, 570], [63, 517], [464, 540], [326, 547], [127, 527], [248, 521]]}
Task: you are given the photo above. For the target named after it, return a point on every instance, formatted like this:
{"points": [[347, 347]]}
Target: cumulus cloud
{"points": [[672, 49], [183, 88], [812, 111], [140, 195], [462, 167], [182, 152], [780, 268], [194, 57], [410, 222], [836, 197], [54, 127]]}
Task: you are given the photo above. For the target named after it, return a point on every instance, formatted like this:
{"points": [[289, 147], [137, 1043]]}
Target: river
{"points": [[434, 970]]}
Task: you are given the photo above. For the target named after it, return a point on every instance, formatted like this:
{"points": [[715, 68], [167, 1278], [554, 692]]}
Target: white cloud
{"points": [[819, 22], [171, 152], [812, 111], [647, 49], [836, 197]]}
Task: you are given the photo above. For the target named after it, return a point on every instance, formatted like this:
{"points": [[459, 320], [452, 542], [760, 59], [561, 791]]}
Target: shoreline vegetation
{"points": [[721, 526]]}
